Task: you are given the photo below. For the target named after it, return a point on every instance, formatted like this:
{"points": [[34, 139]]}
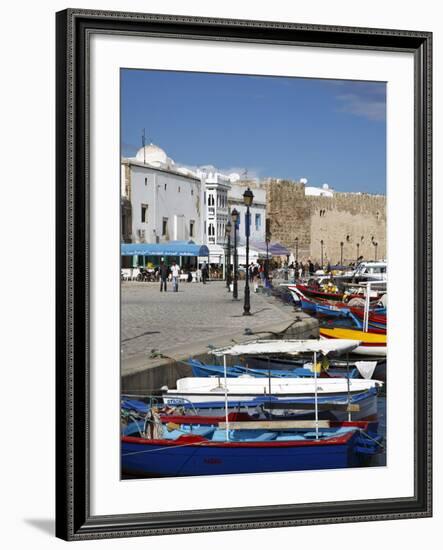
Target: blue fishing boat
{"points": [[336, 366], [357, 405], [341, 311], [190, 450], [200, 369]]}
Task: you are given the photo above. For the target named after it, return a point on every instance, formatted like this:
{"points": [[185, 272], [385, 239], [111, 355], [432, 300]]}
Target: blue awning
{"points": [[171, 248]]}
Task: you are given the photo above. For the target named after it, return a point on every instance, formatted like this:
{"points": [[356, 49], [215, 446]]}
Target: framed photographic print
{"points": [[236, 200]]}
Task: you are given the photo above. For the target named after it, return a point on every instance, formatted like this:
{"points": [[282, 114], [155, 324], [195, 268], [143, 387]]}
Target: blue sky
{"points": [[328, 131]]}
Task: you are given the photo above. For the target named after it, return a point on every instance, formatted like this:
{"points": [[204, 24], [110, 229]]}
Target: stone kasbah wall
{"points": [[351, 218]]}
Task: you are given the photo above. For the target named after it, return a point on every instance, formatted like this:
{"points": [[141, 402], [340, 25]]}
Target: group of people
{"points": [[164, 272], [304, 269], [257, 272]]}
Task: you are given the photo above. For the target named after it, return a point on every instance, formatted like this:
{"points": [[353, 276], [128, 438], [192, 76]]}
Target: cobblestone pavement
{"points": [[196, 314]]}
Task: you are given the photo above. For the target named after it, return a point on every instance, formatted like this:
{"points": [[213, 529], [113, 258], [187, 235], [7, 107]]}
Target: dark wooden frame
{"points": [[74, 521]]}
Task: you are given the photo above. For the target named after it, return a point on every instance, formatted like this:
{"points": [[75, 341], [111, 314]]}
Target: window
{"points": [[257, 222], [191, 228], [204, 227], [179, 188], [165, 186], [146, 181], [192, 192], [144, 213], [211, 233], [165, 227], [210, 199], [204, 197]]}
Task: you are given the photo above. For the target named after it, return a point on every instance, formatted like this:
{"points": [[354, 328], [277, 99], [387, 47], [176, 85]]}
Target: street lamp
{"points": [[321, 243], [375, 246], [234, 218], [341, 253], [296, 250], [228, 263], [267, 239], [248, 197], [358, 252]]}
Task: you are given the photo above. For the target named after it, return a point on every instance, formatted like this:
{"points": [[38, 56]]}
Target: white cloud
{"points": [[370, 107]]}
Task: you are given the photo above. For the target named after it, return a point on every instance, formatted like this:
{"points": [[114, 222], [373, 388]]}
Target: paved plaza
{"points": [[187, 322]]}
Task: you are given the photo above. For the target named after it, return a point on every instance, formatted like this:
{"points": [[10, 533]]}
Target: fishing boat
{"points": [[251, 394], [245, 387], [246, 447], [376, 315], [336, 296], [200, 370], [370, 367], [377, 318], [357, 406], [370, 343]]}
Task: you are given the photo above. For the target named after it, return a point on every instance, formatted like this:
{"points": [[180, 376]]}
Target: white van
{"points": [[371, 271]]}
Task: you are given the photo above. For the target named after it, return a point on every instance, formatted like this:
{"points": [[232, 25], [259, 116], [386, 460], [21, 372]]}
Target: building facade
{"points": [[330, 225], [162, 201], [217, 187], [257, 219], [166, 202]]}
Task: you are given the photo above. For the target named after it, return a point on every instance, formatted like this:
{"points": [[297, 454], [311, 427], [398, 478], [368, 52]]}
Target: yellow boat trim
{"points": [[350, 334]]}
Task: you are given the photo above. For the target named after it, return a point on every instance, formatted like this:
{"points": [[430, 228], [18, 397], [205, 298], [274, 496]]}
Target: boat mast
{"points": [[226, 398], [367, 302], [315, 395], [349, 386]]}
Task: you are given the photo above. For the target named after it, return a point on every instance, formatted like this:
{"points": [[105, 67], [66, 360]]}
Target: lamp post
{"points": [[267, 239], [228, 263], [296, 250], [358, 252], [248, 197], [341, 253], [375, 247], [234, 218], [321, 243]]}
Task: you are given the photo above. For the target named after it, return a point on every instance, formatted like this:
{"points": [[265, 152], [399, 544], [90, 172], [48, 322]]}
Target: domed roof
{"points": [[152, 154]]}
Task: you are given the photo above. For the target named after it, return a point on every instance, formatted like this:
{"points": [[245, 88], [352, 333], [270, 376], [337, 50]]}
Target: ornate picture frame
{"points": [[74, 520]]}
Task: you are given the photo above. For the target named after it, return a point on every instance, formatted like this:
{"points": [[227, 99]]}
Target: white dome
{"points": [[325, 186], [151, 154]]}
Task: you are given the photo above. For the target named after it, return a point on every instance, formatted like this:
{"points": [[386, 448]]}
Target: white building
{"points": [[217, 187], [163, 201], [323, 191], [166, 200], [257, 210]]}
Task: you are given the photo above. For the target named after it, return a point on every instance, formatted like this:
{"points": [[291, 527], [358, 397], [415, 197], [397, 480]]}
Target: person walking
{"points": [[301, 269], [175, 269], [204, 272], [262, 274], [163, 272]]}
